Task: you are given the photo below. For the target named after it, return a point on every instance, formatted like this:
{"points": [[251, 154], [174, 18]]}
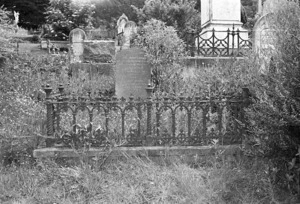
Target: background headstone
{"points": [[132, 73], [264, 40], [121, 23], [76, 37], [129, 31]]}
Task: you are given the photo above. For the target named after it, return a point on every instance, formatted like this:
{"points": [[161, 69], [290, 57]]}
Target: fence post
{"points": [[149, 117], [213, 41], [49, 119], [233, 38]]}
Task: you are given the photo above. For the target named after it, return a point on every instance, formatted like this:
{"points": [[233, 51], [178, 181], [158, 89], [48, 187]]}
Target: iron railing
{"points": [[232, 44], [184, 121]]}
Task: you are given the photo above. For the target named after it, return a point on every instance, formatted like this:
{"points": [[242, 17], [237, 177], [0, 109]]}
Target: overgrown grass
{"points": [[136, 180]]}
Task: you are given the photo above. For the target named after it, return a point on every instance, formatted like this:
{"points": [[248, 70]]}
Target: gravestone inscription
{"points": [[132, 73]]}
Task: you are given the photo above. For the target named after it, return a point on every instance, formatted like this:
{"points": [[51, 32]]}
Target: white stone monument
{"points": [[221, 15]]}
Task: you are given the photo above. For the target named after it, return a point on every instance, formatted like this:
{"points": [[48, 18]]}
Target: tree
{"points": [[163, 48], [65, 15], [107, 12], [32, 12], [181, 14]]}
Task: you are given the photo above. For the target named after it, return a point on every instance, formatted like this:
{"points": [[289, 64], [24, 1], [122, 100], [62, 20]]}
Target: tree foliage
{"points": [[107, 12], [181, 14], [65, 15], [164, 49], [32, 12]]}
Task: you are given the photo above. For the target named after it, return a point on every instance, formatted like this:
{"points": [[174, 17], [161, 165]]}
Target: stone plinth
{"points": [[221, 15]]}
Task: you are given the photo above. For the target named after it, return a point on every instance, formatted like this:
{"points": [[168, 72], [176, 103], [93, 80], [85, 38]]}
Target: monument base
{"points": [[223, 29]]}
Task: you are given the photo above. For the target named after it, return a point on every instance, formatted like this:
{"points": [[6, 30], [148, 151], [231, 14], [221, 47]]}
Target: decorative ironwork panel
{"points": [[100, 122]]}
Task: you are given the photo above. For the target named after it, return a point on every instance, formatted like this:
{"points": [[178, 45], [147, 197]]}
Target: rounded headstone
{"points": [[77, 37]]}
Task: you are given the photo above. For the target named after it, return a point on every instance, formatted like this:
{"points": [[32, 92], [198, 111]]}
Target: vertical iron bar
{"points": [[157, 119], [149, 116], [213, 41], [123, 125], [220, 114], [57, 116], [228, 42], [238, 42], [204, 113], [106, 121], [139, 119], [173, 124], [91, 120], [74, 120], [49, 119], [189, 123], [233, 36]]}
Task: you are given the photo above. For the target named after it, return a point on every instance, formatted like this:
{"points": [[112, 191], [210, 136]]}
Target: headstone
{"points": [[263, 35], [129, 31], [264, 40], [132, 73], [121, 23], [76, 37]]}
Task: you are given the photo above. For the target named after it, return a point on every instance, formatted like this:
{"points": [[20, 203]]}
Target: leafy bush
{"points": [[65, 15], [163, 48]]}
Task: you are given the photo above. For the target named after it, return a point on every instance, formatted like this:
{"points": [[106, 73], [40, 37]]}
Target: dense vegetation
{"points": [[267, 173]]}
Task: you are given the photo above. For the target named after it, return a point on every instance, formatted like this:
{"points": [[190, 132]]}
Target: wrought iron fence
{"points": [[232, 44], [100, 121]]}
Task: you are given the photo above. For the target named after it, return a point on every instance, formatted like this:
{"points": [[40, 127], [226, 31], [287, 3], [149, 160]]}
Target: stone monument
{"points": [[132, 73], [126, 30], [121, 23], [221, 15], [76, 37], [129, 31]]}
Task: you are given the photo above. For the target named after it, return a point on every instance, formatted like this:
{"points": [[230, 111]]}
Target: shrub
{"points": [[164, 49]]}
